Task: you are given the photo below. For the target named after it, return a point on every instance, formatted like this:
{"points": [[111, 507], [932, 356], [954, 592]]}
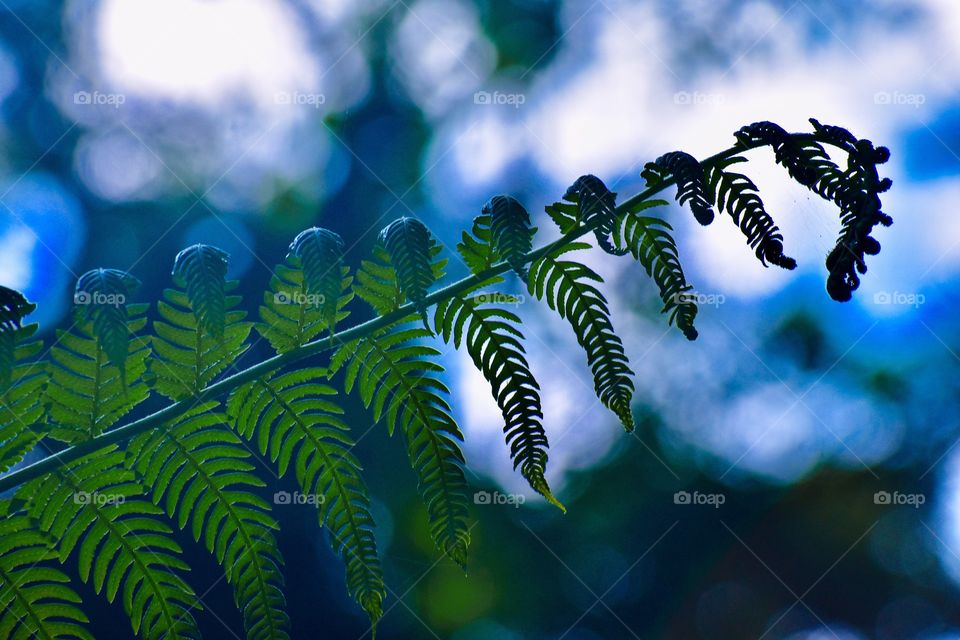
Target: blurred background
{"points": [[794, 474]]}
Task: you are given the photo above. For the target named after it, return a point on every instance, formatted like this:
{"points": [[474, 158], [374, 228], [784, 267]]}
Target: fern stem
{"points": [[362, 330]]}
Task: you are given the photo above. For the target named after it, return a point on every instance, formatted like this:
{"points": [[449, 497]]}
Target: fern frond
{"points": [[476, 246], [88, 391], [95, 507], [201, 271], [320, 256], [511, 233], [411, 249], [398, 378], [293, 420], [289, 316], [856, 191], [200, 333], [200, 475], [799, 158], [738, 195], [648, 239], [13, 309], [565, 286], [377, 283], [100, 301], [493, 342], [36, 600], [22, 380], [690, 178], [595, 202]]}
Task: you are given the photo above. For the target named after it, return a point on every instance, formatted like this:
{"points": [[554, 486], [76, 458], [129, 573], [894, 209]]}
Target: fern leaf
{"points": [[793, 155], [690, 179], [493, 342], [398, 378], [100, 301], [377, 283], [410, 246], [738, 194], [860, 208], [200, 474], [510, 231], [566, 288], [595, 202], [22, 380], [648, 239], [289, 316], [94, 507], [320, 254], [36, 600], [200, 333], [13, 309], [201, 270], [293, 420], [87, 391], [856, 191], [476, 246]]}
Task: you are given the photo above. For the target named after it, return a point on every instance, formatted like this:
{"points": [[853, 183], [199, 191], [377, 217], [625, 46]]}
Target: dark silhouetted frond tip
{"points": [[95, 507], [494, 344], [855, 191], [738, 195], [22, 380], [596, 205], [566, 287], [320, 254], [37, 600], [201, 270], [398, 378], [200, 472], [13, 308], [691, 182], [648, 239], [101, 299], [860, 212], [837, 136], [294, 420], [790, 153], [510, 230], [410, 246], [189, 356]]}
